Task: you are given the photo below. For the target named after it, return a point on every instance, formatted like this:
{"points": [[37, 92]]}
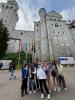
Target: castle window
{"points": [[11, 7], [37, 24], [58, 32], [13, 46], [56, 25], [7, 7], [3, 6], [21, 33]]}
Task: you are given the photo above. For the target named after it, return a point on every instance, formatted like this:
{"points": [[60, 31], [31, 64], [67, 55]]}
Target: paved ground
{"points": [[10, 89]]}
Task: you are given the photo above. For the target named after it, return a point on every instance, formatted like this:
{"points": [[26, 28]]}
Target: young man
{"points": [[32, 77], [41, 75], [24, 80]]}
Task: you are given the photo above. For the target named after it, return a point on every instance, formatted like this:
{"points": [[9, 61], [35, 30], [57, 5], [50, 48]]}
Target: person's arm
{"points": [[37, 74]]}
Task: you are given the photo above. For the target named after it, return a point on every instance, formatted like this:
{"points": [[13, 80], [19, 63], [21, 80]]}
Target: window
{"points": [[58, 32], [21, 33], [11, 7], [56, 25], [37, 24], [7, 7], [13, 46], [3, 6]]}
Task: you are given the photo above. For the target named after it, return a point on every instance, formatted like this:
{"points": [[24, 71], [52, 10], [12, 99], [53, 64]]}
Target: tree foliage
{"points": [[3, 39]]}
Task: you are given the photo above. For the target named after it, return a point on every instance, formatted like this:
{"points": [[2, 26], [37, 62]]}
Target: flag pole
{"points": [[19, 53], [26, 57], [26, 51]]}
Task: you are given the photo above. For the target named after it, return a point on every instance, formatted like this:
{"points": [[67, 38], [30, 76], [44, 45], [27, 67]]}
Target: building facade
{"points": [[52, 37]]}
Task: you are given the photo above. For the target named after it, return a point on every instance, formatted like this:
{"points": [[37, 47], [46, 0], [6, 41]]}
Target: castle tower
{"points": [[44, 35], [9, 14]]}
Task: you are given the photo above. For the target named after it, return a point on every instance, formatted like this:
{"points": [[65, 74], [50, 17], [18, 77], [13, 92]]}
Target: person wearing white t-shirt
{"points": [[41, 75]]}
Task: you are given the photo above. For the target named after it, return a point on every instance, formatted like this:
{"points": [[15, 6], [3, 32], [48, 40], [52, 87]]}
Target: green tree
{"points": [[3, 39]]}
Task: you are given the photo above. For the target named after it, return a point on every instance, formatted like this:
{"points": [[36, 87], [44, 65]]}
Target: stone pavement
{"points": [[10, 89]]}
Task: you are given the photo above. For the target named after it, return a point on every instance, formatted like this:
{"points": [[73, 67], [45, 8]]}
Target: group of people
{"points": [[42, 76]]}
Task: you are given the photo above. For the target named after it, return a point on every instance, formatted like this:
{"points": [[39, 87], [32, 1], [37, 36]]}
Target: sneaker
{"points": [[48, 97], [65, 89], [55, 89], [34, 92], [58, 89], [30, 92], [42, 96]]}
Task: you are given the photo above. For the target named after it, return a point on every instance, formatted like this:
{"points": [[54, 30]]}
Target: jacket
{"points": [[41, 73]]}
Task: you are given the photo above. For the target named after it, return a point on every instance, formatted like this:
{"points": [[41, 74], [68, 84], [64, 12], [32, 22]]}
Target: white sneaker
{"points": [[42, 96], [55, 89], [48, 97], [58, 89], [30, 92], [34, 92], [65, 89]]}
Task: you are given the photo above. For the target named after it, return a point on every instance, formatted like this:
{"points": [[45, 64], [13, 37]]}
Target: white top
{"points": [[41, 73], [60, 68]]}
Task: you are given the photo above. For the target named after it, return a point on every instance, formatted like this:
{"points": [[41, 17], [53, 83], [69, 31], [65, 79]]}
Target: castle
{"points": [[52, 37]]}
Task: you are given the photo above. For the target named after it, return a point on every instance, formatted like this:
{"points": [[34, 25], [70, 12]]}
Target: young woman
{"points": [[41, 75], [55, 76], [61, 79]]}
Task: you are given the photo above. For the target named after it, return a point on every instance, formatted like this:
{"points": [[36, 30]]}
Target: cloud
{"points": [[27, 15], [68, 14], [3, 0]]}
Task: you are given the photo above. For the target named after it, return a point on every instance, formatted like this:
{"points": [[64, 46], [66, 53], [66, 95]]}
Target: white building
{"points": [[52, 36]]}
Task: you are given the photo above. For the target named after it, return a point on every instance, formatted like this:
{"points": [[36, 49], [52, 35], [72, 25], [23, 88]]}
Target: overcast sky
{"points": [[28, 11]]}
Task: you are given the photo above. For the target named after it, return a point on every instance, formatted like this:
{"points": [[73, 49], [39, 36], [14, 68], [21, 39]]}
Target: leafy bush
{"points": [[15, 57]]}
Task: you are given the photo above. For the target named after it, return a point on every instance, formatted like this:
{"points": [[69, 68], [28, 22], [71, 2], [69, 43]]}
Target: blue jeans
{"points": [[32, 84]]}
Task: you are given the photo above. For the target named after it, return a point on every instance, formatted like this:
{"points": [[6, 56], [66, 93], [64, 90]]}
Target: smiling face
{"points": [[39, 62]]}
